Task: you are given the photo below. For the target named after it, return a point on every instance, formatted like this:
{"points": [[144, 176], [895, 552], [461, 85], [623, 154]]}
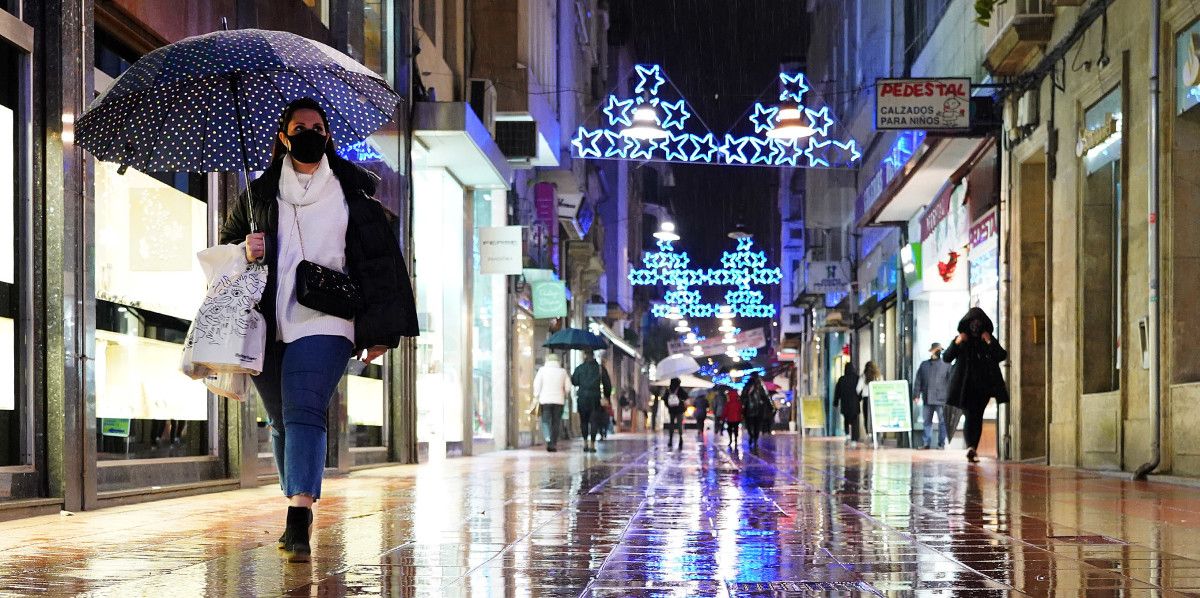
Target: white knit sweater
{"points": [[316, 204]]}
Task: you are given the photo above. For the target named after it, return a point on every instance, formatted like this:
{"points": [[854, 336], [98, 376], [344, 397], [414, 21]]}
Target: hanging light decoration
{"points": [[691, 338], [682, 326], [697, 351], [739, 232], [793, 124], [646, 124], [666, 231], [726, 326], [729, 339], [674, 314]]}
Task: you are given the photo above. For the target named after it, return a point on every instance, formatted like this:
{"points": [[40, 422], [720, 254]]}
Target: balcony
{"points": [[1019, 30]]}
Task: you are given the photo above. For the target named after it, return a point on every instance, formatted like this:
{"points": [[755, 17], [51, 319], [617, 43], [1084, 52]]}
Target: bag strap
{"points": [[299, 231]]}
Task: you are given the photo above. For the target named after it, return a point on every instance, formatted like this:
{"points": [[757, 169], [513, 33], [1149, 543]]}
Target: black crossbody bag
{"points": [[324, 289]]}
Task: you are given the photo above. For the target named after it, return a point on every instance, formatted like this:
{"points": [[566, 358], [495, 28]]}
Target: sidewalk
{"points": [[634, 520]]}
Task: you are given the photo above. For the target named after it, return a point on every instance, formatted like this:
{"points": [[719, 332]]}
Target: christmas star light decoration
{"points": [[740, 271], [689, 141]]}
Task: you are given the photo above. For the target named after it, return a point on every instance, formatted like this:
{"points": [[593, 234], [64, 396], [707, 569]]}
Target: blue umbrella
{"points": [[211, 103], [574, 338]]}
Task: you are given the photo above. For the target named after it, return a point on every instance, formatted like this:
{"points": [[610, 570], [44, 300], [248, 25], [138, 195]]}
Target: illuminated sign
{"points": [[687, 140]]}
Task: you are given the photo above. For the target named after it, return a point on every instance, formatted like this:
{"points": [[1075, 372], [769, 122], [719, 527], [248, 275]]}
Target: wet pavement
{"points": [[801, 518]]}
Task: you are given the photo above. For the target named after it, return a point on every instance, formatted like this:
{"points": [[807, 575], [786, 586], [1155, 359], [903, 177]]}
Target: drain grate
{"points": [[788, 588], [1087, 540]]}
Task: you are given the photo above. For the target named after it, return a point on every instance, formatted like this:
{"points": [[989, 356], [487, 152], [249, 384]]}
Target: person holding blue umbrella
{"points": [[592, 386], [317, 216]]}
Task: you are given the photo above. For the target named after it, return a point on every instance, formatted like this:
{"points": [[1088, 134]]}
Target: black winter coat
{"points": [[373, 255], [845, 395], [976, 377]]}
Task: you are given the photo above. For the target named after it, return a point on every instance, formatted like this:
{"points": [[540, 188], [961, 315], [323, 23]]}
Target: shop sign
{"points": [[929, 104], [549, 299], [117, 428], [595, 310], [1187, 69], [812, 412], [827, 277], [500, 250], [891, 409], [985, 229], [1099, 140], [936, 212]]}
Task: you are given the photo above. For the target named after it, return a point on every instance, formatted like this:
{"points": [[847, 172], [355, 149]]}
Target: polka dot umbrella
{"points": [[211, 103]]}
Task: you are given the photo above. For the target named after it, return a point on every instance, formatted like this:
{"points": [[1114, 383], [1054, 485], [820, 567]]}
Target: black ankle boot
{"points": [[283, 537], [294, 540]]}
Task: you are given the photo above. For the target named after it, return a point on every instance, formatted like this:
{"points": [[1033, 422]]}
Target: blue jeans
{"points": [[927, 411], [296, 384]]}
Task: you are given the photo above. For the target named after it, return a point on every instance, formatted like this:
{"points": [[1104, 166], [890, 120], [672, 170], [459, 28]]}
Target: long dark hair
{"points": [[279, 150]]}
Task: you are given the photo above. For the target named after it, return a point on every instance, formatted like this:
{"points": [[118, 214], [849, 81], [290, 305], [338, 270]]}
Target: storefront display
{"points": [[438, 216], [488, 332]]}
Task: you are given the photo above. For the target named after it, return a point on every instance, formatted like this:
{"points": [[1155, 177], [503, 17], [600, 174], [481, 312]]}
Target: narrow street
{"points": [[802, 518]]}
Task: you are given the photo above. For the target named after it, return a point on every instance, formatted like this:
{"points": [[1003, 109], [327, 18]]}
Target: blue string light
{"points": [[703, 147], [742, 269]]}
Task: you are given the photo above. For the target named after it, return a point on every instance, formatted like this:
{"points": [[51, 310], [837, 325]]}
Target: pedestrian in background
{"points": [[700, 403], [870, 374], [756, 408], [976, 378], [676, 402], [718, 403], [731, 413], [592, 386], [847, 399], [309, 189], [932, 386], [551, 387]]}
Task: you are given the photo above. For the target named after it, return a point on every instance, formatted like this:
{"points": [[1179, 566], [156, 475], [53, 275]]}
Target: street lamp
{"points": [[792, 123], [666, 231], [645, 124]]}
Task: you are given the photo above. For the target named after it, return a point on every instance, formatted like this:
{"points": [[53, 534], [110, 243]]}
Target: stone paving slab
{"points": [[803, 517]]}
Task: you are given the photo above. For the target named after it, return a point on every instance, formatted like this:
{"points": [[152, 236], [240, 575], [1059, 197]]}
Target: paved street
{"points": [[802, 518]]}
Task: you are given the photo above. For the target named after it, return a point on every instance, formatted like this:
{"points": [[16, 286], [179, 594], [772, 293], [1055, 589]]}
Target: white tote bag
{"points": [[228, 335]]}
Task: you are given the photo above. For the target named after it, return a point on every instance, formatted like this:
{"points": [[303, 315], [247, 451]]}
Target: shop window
{"points": [[365, 407], [484, 312], [1101, 240], [377, 36], [148, 285], [1182, 327], [11, 409]]}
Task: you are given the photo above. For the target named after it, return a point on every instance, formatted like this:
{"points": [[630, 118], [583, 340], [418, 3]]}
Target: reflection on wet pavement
{"points": [[802, 518]]}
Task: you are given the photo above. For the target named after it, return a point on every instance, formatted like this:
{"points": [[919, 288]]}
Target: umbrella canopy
{"points": [[675, 366], [574, 338], [686, 381], [212, 102], [770, 386]]}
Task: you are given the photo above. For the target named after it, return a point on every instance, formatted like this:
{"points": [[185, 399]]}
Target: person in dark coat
{"points": [[676, 400], [931, 386], [331, 200], [846, 399], [756, 409], [976, 378], [592, 388]]}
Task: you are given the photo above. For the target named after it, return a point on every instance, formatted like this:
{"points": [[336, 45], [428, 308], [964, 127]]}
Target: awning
{"points": [[451, 136], [617, 341], [939, 161]]}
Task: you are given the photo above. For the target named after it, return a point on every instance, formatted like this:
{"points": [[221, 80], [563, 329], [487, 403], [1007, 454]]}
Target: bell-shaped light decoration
{"points": [[697, 351], [691, 338], [729, 339], [791, 123], [673, 314], [645, 124], [725, 312], [726, 326], [666, 231], [682, 326], [739, 232]]}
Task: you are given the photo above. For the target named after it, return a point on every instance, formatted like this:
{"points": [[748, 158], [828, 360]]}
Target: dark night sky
{"points": [[721, 54]]}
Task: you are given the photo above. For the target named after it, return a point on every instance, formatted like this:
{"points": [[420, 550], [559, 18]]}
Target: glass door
{"points": [[22, 471]]}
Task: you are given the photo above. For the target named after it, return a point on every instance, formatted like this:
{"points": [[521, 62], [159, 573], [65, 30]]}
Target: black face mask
{"points": [[307, 146]]}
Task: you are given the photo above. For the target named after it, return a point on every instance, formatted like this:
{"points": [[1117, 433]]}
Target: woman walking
{"points": [[731, 412], [870, 374], [676, 400], [313, 206], [976, 378], [757, 408], [848, 401]]}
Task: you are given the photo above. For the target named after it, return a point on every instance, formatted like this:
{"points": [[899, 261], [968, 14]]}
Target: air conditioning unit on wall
{"points": [[482, 97]]}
